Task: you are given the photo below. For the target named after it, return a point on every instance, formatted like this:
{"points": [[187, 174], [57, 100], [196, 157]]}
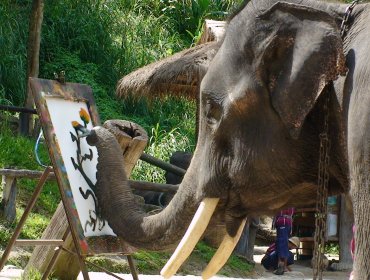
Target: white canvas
{"points": [[62, 113]]}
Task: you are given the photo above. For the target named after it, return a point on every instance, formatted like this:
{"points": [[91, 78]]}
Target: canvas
{"points": [[62, 108]]}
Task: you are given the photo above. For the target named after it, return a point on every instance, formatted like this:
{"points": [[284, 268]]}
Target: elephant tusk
{"points": [[195, 231], [223, 253]]}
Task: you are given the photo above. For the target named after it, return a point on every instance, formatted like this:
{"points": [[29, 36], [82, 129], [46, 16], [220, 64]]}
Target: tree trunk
{"points": [[66, 265], [7, 204], [33, 51]]}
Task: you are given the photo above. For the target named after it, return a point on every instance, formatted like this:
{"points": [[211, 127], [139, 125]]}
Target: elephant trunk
{"points": [[160, 231], [117, 205]]}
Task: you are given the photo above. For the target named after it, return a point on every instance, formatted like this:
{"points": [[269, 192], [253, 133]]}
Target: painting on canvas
{"points": [[62, 108]]}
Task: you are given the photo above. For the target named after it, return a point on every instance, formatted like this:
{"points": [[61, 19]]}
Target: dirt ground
{"points": [[300, 270]]}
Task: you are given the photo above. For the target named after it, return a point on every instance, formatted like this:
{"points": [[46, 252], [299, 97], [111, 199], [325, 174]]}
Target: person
{"points": [[352, 247], [270, 260], [283, 222]]}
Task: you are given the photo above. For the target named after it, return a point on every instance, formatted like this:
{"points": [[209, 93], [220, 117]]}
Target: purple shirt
{"points": [[284, 218], [271, 249]]}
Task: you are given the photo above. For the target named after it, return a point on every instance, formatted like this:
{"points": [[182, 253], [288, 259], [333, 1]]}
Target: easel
{"points": [[82, 246], [14, 241]]}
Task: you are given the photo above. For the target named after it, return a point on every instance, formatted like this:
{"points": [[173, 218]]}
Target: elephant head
{"points": [[258, 143]]}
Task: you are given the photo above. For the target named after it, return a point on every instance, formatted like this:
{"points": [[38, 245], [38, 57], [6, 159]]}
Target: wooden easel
{"points": [[79, 97], [14, 241]]}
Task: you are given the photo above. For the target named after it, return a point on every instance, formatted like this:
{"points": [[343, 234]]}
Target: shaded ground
{"points": [[301, 270]]}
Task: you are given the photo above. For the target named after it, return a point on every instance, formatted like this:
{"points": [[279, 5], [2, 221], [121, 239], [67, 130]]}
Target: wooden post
{"points": [[33, 51], [213, 30], [245, 246], [346, 222], [24, 217], [132, 139], [7, 205], [241, 248]]}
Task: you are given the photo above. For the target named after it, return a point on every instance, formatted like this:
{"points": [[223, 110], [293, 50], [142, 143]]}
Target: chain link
{"points": [[323, 176], [347, 15], [322, 193]]}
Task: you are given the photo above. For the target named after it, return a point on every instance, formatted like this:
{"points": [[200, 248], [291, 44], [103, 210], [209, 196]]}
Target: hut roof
{"points": [[176, 74]]}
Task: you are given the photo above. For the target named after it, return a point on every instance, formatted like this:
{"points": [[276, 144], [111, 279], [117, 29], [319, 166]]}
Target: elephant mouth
{"points": [[193, 234]]}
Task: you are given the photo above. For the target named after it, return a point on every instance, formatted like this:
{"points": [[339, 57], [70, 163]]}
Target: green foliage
{"points": [[161, 145], [36, 223], [13, 34], [170, 123], [20, 260], [149, 262], [144, 37], [32, 275], [234, 262], [188, 15], [33, 228], [152, 262], [332, 248], [17, 151], [115, 36], [48, 199], [110, 264], [5, 233]]}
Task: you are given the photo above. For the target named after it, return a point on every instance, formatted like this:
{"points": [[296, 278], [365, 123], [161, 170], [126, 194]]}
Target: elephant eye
{"points": [[213, 111]]}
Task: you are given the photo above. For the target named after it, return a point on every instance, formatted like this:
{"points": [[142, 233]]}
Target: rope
{"points": [[36, 150]]}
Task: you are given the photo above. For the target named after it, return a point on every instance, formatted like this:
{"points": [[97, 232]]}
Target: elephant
{"points": [[281, 69], [182, 160], [179, 159]]}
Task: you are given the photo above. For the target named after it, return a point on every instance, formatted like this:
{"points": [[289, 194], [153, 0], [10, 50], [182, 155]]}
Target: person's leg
{"points": [[282, 240], [266, 263], [270, 262], [290, 261]]}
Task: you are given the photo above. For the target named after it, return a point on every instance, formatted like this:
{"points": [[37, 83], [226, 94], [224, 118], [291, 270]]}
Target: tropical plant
{"points": [[188, 15]]}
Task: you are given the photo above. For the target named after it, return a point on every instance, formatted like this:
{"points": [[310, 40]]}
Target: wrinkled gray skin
{"points": [[260, 117]]}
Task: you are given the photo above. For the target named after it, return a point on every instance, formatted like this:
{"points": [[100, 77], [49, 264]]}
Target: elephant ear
{"points": [[301, 53]]}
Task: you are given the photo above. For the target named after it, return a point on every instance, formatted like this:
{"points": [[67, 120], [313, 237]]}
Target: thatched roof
{"points": [[177, 74]]}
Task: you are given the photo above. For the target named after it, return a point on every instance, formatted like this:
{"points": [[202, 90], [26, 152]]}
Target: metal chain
{"points": [[347, 14], [323, 176], [322, 194]]}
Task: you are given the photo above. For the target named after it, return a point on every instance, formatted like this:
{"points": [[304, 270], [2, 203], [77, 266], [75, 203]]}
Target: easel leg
{"points": [[81, 260], [24, 217], [132, 267], [83, 266], [54, 258]]}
